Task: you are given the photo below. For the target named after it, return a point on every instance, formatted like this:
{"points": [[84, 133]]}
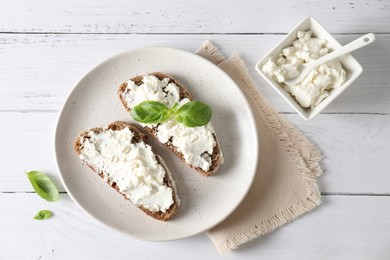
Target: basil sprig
{"points": [[43, 214], [43, 186], [191, 114]]}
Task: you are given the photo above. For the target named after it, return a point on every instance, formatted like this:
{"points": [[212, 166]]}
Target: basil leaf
{"points": [[43, 186], [151, 112], [193, 113], [43, 214]]}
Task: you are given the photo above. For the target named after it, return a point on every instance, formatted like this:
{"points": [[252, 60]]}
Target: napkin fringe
{"points": [[212, 50], [269, 225], [309, 168]]}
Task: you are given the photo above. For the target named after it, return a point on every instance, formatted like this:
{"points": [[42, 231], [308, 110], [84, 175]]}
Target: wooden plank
{"points": [[37, 71], [344, 227], [27, 144], [202, 16], [355, 150]]}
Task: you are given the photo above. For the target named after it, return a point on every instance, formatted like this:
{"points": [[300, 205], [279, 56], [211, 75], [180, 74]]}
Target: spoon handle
{"points": [[350, 47]]}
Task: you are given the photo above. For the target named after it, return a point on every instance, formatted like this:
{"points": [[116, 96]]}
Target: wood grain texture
{"points": [[48, 66], [47, 46], [27, 145], [202, 16], [355, 150], [345, 227]]}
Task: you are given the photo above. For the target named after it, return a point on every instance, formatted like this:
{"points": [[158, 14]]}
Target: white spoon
{"points": [[350, 47]]}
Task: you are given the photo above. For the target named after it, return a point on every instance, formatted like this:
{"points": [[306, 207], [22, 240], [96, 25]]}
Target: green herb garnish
{"points": [[191, 114], [43, 214], [194, 113], [43, 186], [151, 112]]}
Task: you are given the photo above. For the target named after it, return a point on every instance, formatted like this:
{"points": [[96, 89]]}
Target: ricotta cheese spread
{"points": [[152, 89], [195, 143], [132, 166], [317, 84]]}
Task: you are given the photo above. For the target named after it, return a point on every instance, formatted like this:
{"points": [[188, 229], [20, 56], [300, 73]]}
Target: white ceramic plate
{"points": [[205, 201]]}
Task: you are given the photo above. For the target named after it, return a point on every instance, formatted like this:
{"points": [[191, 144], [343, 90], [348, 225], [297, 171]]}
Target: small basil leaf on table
{"points": [[43, 214], [43, 186]]}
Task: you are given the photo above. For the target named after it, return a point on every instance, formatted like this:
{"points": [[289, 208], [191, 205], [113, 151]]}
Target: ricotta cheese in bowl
{"points": [[319, 82], [306, 42]]}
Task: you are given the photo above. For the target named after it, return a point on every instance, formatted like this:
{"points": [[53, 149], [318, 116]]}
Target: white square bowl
{"points": [[350, 65]]}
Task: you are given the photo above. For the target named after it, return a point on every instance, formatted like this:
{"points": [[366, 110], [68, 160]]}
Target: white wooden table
{"points": [[45, 48]]}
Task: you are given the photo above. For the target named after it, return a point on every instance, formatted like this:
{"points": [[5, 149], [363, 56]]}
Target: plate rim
{"points": [[193, 55]]}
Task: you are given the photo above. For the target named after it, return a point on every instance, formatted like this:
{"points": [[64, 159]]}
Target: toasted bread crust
{"points": [[138, 137], [216, 156]]}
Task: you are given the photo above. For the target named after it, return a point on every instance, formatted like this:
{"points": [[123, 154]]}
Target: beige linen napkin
{"points": [[285, 184]]}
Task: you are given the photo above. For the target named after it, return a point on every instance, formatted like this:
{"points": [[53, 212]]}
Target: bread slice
{"points": [[138, 137], [216, 156]]}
